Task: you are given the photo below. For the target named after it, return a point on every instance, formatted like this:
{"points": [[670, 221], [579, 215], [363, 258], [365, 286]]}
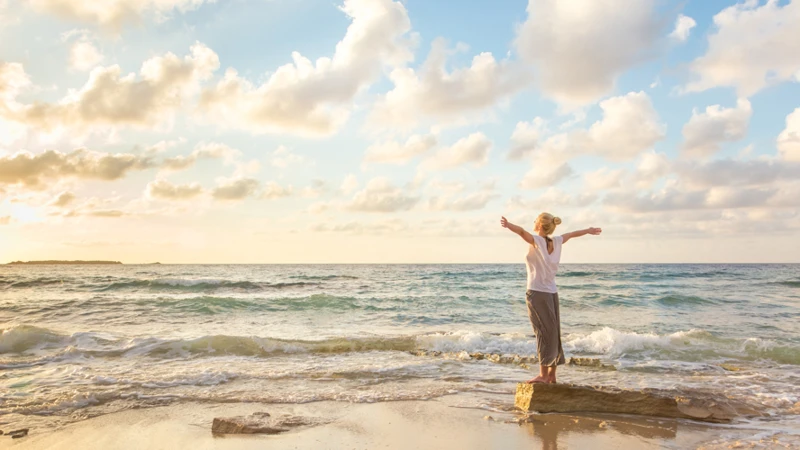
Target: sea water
{"points": [[78, 340]]}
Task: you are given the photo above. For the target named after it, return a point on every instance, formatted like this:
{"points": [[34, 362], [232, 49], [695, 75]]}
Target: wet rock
{"points": [[566, 398], [730, 367], [589, 362], [259, 423], [496, 358], [16, 434], [488, 418]]}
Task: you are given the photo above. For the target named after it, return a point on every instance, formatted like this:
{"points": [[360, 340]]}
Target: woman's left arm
{"points": [[573, 234]]}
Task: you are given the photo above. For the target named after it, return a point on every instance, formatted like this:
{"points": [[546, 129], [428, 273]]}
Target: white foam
{"points": [[471, 342]]}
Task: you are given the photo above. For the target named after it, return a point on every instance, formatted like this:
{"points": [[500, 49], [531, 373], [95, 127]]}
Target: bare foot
{"points": [[539, 379]]}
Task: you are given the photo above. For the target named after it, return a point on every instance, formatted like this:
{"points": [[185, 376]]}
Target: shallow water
{"points": [[84, 340]]}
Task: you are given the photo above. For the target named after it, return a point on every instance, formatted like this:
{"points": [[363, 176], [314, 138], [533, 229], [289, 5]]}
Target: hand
{"points": [[503, 222], [595, 231]]}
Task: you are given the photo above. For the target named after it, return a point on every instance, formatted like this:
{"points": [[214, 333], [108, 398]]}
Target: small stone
{"points": [[16, 434], [488, 418], [602, 424]]}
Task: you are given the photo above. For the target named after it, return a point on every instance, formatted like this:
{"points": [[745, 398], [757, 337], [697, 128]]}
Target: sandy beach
{"points": [[440, 423]]}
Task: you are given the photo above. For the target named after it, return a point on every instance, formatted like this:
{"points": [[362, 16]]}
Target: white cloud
{"points": [[470, 202], [282, 158], [603, 178], [63, 199], [349, 184], [731, 172], [546, 173], [629, 126], [705, 132], [33, 169], [315, 189], [110, 99], [651, 167], [436, 93], [473, 149], [393, 152], [754, 46], [235, 189], [674, 198], [581, 47], [113, 14], [789, 139], [683, 27], [273, 190], [525, 138], [163, 189], [83, 55], [203, 150], [381, 196], [309, 98]]}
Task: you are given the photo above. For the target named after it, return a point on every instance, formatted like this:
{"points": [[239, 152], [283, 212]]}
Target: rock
{"points": [[730, 367], [589, 362], [488, 418], [259, 423], [16, 434], [566, 398]]}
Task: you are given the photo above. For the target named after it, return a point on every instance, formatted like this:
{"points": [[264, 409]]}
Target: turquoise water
{"points": [[84, 340]]}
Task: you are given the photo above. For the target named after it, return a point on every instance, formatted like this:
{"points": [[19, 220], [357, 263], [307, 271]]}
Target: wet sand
{"points": [[440, 424]]}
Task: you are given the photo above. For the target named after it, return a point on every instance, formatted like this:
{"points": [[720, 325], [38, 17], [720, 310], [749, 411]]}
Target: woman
{"points": [[542, 261]]}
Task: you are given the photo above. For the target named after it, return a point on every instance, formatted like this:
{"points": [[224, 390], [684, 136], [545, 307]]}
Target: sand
{"points": [[435, 424]]}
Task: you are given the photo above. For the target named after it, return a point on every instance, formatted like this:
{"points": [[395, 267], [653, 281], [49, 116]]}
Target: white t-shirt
{"points": [[542, 266]]}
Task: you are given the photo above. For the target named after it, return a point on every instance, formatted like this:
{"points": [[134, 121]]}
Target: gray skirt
{"points": [[543, 312]]}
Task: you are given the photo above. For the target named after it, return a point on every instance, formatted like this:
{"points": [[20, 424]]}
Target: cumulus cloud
{"points": [[203, 150], [349, 184], [651, 167], [393, 152], [113, 14], [315, 98], [381, 196], [282, 158], [629, 126], [111, 99], [441, 94], [473, 149], [164, 190], [683, 27], [470, 202], [789, 139], [674, 198], [706, 132], [273, 190], [603, 178], [546, 173], [63, 199], [731, 172], [33, 169], [552, 199], [83, 55], [235, 189], [525, 138], [5, 220], [381, 227], [754, 46], [581, 47]]}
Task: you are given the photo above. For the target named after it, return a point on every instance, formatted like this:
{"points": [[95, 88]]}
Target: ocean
{"points": [[79, 341]]}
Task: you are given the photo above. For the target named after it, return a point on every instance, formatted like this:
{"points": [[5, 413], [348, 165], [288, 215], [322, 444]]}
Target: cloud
{"points": [[393, 152], [754, 46], [705, 132], [380, 196], [673, 198], [113, 14], [581, 47], [473, 149], [629, 126], [63, 199], [349, 184], [470, 202], [552, 199], [603, 178], [5, 220], [235, 189], [730, 172], [525, 138], [683, 27], [203, 150], [315, 99], [282, 158], [651, 167], [32, 170], [436, 93], [164, 190], [544, 174], [110, 99], [382, 227], [84, 55], [789, 139], [273, 191], [315, 189]]}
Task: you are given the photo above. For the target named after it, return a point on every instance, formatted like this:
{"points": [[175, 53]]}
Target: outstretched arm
{"points": [[518, 230], [573, 234]]}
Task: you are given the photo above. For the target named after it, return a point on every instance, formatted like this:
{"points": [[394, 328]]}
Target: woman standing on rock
{"points": [[542, 261]]}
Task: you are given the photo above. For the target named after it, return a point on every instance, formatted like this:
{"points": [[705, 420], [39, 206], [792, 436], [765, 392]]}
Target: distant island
{"points": [[22, 263]]}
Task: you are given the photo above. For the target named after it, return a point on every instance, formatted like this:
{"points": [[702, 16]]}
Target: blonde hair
{"points": [[548, 222]]}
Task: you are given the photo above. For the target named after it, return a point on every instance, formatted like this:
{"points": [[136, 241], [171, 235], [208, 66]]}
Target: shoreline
{"points": [[447, 422]]}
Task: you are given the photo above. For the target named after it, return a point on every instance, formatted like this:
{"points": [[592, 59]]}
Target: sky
{"points": [[380, 131]]}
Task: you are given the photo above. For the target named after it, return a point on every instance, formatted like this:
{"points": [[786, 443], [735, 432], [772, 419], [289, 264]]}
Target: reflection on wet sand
{"points": [[552, 429]]}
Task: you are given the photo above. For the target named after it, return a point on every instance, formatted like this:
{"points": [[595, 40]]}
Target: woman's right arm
{"points": [[518, 230]]}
